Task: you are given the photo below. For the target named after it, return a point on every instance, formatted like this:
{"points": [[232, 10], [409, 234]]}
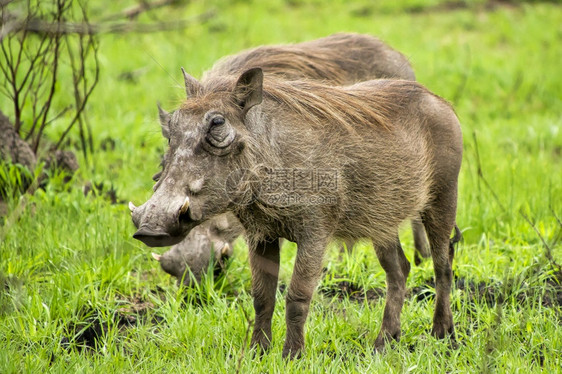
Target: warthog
{"points": [[377, 153], [339, 59], [207, 244]]}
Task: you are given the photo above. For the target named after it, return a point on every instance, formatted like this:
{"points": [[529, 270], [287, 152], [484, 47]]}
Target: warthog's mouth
{"points": [[162, 230], [154, 238], [158, 237]]}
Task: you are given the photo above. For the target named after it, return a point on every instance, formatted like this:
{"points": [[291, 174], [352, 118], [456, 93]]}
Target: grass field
{"points": [[78, 294]]}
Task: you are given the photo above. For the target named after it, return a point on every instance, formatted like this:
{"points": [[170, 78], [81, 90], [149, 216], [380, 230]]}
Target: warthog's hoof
{"points": [[440, 331], [385, 338], [258, 351], [292, 353], [443, 330], [260, 343]]}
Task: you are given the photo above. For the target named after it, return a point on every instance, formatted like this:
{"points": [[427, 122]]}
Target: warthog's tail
{"points": [[457, 237], [454, 240]]}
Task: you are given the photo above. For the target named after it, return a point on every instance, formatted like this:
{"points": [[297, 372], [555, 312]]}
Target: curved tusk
{"points": [[156, 256], [185, 206], [225, 249], [132, 206]]}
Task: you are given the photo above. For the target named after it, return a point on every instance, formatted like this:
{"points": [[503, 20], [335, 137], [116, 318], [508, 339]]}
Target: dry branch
{"points": [[548, 250], [143, 6], [37, 37], [481, 174], [64, 28]]}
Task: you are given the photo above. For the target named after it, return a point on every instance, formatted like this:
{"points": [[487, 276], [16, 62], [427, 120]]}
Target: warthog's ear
{"points": [[192, 85], [164, 121], [249, 89]]}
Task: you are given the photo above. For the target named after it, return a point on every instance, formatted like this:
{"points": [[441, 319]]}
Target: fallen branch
{"points": [[66, 28], [144, 6]]}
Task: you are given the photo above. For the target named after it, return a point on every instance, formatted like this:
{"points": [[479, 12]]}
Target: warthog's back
{"points": [[343, 58]]}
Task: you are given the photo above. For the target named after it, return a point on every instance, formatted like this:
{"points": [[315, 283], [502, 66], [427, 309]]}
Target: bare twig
{"points": [[481, 174], [55, 65], [80, 107], [39, 63], [64, 28], [559, 235], [548, 250], [172, 77], [82, 87], [144, 6], [555, 216], [38, 36]]}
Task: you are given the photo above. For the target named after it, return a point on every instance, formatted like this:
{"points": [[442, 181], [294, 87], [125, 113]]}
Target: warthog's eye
{"points": [[220, 134]]}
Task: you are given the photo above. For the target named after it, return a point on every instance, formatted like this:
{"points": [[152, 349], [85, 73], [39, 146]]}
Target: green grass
{"points": [[66, 258]]}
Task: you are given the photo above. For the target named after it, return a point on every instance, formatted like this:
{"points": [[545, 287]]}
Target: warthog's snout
{"points": [[154, 238], [162, 223]]}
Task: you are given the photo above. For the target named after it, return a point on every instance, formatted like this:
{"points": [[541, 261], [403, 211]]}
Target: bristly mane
{"points": [[369, 103], [292, 63], [338, 59], [361, 104]]}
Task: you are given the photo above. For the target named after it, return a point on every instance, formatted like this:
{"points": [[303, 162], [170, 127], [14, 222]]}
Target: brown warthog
{"points": [[310, 162], [207, 244], [339, 59]]}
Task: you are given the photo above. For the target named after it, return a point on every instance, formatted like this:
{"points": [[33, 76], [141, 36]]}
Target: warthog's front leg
{"points": [[306, 273], [264, 261], [397, 268]]}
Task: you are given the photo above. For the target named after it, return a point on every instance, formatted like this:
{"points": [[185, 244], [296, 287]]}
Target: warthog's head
{"points": [[195, 252], [210, 243], [206, 137]]}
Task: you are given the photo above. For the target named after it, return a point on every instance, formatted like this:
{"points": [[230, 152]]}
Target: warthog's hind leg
{"points": [[439, 221], [397, 268]]}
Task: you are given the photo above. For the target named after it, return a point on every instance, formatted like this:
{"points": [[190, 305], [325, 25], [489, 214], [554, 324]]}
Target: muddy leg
{"points": [[421, 244], [264, 262], [306, 273], [397, 268], [439, 221]]}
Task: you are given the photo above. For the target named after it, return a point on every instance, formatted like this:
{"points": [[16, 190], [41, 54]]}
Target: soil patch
{"points": [[549, 295], [352, 291], [93, 325]]}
